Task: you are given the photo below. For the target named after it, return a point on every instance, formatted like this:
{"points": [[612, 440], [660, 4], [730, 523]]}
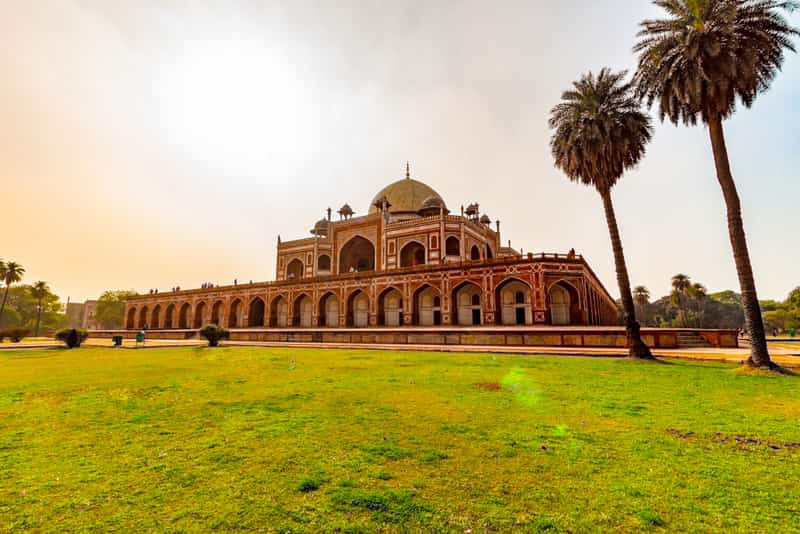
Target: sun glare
{"points": [[236, 101]]}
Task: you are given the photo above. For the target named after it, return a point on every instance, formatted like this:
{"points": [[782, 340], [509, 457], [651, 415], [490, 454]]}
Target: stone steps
{"points": [[692, 340]]}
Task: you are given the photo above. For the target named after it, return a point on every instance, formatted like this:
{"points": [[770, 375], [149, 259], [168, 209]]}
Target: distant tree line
{"points": [[690, 305], [29, 307]]}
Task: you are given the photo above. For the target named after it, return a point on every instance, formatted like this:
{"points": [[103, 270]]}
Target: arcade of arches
{"points": [[509, 301]]}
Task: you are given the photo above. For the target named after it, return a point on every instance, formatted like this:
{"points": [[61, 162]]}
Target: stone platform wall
{"points": [[511, 336]]}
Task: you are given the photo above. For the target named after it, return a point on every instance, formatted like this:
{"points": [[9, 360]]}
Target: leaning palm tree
{"points": [[39, 291], [600, 131], [10, 272], [696, 63]]}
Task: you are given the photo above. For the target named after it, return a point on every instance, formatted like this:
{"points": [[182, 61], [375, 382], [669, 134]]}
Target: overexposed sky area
{"points": [[154, 143]]}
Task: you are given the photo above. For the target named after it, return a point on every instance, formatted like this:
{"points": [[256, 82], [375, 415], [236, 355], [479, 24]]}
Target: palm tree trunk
{"points": [[38, 318], [3, 306], [759, 355], [636, 347]]}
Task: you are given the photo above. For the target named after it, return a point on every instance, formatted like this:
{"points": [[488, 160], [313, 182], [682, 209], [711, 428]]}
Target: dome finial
{"points": [[408, 171]]}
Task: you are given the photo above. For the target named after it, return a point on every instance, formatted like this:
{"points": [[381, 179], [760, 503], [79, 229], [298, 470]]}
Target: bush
{"points": [[14, 334], [214, 334], [72, 337]]}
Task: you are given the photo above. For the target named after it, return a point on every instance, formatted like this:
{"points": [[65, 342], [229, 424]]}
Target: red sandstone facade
{"points": [[407, 262]]}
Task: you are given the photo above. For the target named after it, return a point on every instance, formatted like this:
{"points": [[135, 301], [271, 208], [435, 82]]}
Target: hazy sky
{"points": [[153, 143]]}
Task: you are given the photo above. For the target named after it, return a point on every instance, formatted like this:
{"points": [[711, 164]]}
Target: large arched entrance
{"points": [[183, 316], [427, 307], [329, 310], [216, 313], [143, 317], [130, 323], [513, 298], [279, 312], [303, 308], [255, 317], [199, 314], [358, 309], [235, 314], [412, 254], [390, 307], [358, 254], [468, 300], [169, 316], [294, 270]]}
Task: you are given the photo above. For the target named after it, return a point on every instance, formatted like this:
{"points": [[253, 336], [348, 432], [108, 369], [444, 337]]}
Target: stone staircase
{"points": [[692, 340]]}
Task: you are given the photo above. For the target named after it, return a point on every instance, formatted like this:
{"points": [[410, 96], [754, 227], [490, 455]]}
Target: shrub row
{"points": [[15, 334]]}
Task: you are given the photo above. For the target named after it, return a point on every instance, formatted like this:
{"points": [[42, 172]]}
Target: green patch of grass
{"points": [[386, 506], [651, 519], [310, 484], [433, 456], [197, 439], [387, 450]]}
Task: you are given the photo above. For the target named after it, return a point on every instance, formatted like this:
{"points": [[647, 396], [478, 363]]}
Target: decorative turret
{"points": [[432, 206], [485, 220], [345, 212], [382, 204], [472, 212], [320, 228]]}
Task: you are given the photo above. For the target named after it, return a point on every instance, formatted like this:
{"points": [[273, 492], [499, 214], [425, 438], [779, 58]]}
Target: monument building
{"points": [[409, 261]]}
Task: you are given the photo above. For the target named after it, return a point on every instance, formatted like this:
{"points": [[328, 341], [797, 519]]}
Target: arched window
{"points": [[329, 311], [279, 312], [294, 269], [256, 315], [199, 315], [358, 309], [452, 246], [390, 308], [412, 254], [427, 307], [168, 316], [467, 299], [474, 253], [235, 314]]}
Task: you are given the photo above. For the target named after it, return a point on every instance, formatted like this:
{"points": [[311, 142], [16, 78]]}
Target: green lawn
{"points": [[194, 439]]}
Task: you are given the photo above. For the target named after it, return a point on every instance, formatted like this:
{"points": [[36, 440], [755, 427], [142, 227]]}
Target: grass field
{"points": [[194, 439]]}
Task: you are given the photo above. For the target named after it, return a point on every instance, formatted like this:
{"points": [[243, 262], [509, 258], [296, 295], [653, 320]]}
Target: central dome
{"points": [[405, 196]]}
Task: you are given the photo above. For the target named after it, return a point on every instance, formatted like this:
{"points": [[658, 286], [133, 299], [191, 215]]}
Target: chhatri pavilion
{"points": [[408, 262]]}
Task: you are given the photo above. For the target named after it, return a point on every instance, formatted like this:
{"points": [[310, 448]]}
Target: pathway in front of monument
{"points": [[787, 357], [784, 357]]}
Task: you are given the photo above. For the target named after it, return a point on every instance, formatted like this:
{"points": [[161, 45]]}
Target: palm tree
{"points": [[10, 272], [39, 291], [698, 293], [641, 298], [680, 286], [695, 63], [600, 131]]}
